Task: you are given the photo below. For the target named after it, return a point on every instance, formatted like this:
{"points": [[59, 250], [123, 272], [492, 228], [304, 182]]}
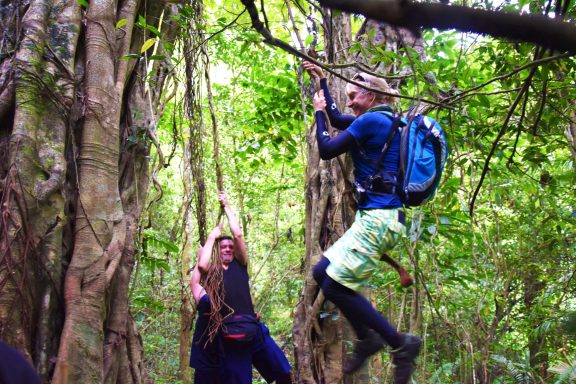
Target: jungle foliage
{"points": [[493, 254]]}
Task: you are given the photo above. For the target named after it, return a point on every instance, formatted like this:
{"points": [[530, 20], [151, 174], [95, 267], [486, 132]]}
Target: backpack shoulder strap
{"points": [[396, 122]]}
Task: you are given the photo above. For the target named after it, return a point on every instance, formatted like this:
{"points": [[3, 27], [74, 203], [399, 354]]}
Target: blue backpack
{"points": [[423, 154]]}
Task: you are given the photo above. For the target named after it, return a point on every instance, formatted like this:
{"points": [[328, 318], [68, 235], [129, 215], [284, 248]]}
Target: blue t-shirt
{"points": [[371, 131]]}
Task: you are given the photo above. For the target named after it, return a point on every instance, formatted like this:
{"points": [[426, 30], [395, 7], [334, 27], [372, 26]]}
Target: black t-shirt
{"points": [[237, 290]]}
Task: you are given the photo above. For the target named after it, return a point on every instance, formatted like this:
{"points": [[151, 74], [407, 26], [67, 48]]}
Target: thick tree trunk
{"points": [[33, 135], [100, 225], [74, 183], [318, 339]]}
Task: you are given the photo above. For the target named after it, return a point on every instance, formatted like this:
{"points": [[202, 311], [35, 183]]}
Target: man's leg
{"points": [[319, 271], [404, 359], [270, 361], [320, 276], [362, 316], [236, 362], [354, 254], [207, 376], [360, 313], [359, 310]]}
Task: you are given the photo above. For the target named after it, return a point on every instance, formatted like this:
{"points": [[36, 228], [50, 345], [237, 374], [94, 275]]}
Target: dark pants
{"points": [[262, 352], [207, 376], [359, 312]]}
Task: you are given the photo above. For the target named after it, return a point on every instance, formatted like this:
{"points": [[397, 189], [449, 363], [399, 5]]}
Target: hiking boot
{"points": [[363, 349], [404, 359]]}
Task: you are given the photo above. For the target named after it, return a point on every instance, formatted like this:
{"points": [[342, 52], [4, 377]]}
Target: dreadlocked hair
{"points": [[214, 285]]}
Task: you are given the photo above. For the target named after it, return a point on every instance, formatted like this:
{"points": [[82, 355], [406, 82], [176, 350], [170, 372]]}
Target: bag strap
{"points": [[397, 120], [386, 111]]}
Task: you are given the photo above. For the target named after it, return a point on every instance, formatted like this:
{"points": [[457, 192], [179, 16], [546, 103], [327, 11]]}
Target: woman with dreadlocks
{"points": [[243, 340]]}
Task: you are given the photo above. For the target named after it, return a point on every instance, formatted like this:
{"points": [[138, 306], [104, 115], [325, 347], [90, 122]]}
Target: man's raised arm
{"points": [[195, 287], [205, 253], [239, 244]]}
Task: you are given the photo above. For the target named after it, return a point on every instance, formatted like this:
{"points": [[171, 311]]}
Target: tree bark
{"points": [[33, 218], [318, 339], [100, 225]]}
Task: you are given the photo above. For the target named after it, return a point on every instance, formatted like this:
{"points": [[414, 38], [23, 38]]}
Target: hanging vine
{"points": [[197, 67], [193, 101]]}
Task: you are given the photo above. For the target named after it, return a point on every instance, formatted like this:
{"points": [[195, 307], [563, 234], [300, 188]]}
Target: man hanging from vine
{"points": [[346, 267], [242, 338]]}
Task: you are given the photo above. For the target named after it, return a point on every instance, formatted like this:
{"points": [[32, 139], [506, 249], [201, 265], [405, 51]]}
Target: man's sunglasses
{"points": [[359, 76]]}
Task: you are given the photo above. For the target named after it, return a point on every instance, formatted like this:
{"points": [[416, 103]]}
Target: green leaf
{"points": [[141, 21], [484, 101], [155, 263], [148, 302], [121, 23], [130, 56], [154, 30], [168, 46], [147, 44], [163, 244], [83, 3]]}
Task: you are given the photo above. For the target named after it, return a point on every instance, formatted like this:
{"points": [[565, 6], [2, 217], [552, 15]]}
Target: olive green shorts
{"points": [[356, 255]]}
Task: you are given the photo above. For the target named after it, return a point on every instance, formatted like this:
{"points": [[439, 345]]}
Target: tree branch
{"points": [[537, 29], [271, 40], [533, 63], [503, 130]]}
